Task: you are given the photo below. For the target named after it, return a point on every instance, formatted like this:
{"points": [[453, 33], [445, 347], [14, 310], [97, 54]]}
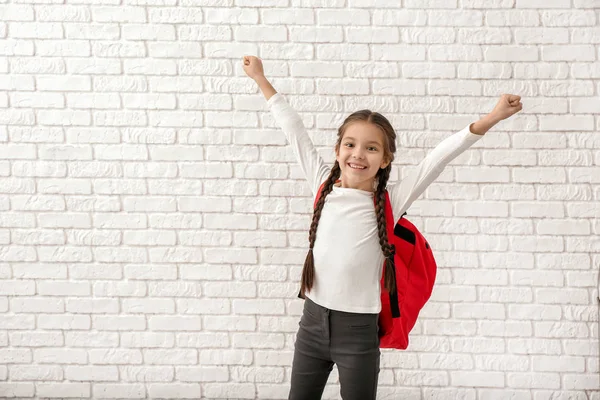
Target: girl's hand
{"points": [[253, 67], [508, 105]]}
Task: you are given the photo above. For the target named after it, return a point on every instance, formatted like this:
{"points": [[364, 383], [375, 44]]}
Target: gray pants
{"points": [[326, 337]]}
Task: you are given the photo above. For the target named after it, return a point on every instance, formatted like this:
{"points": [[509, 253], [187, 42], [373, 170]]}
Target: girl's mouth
{"points": [[357, 167]]}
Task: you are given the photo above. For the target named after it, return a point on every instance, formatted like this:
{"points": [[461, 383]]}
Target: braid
{"points": [[386, 247], [308, 272]]}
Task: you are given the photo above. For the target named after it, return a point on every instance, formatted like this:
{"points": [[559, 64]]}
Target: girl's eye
{"points": [[370, 148]]}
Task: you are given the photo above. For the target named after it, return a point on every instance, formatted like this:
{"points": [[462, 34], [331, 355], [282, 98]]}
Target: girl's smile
{"points": [[357, 167]]}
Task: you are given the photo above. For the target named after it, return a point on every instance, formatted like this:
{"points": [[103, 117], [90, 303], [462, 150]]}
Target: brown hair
{"points": [[308, 272]]}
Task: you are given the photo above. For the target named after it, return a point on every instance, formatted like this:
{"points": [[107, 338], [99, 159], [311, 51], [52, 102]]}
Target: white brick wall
{"points": [[153, 220]]}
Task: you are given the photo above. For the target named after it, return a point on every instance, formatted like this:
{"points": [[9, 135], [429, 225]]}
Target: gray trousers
{"points": [[326, 337]]}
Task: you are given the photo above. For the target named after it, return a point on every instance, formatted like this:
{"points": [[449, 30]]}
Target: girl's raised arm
{"points": [[254, 69], [314, 168], [403, 194]]}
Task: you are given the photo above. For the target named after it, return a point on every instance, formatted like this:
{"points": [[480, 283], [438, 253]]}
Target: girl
{"points": [[348, 238]]}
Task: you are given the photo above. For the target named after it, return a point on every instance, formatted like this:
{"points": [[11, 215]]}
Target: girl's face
{"points": [[361, 155]]}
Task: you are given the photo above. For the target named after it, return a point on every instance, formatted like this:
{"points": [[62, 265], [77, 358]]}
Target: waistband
{"points": [[314, 307]]}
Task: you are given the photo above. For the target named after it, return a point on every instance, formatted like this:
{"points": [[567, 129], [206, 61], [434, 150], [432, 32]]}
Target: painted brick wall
{"points": [[153, 221]]}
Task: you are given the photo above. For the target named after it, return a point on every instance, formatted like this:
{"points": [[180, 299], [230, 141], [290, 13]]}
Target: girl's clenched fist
{"points": [[508, 105], [253, 67]]}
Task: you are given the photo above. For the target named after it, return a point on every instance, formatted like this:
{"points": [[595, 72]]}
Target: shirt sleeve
{"points": [[405, 192], [314, 167]]}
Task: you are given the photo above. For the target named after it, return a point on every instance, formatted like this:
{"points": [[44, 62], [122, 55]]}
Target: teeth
{"points": [[356, 166]]}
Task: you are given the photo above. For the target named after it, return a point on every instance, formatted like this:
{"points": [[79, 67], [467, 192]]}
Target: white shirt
{"points": [[347, 255]]}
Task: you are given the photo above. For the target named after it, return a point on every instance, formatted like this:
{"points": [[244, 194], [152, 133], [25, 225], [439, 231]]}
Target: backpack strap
{"points": [[390, 220]]}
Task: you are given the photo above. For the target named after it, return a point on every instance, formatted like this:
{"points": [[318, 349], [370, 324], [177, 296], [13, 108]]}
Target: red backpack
{"points": [[415, 271]]}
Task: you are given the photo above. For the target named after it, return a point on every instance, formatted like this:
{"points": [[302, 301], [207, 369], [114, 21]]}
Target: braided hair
{"points": [[382, 176]]}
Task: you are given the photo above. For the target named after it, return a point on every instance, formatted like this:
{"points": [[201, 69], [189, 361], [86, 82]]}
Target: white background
{"points": [[154, 222]]}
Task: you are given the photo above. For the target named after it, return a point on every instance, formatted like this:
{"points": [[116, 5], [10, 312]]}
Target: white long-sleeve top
{"points": [[347, 254]]}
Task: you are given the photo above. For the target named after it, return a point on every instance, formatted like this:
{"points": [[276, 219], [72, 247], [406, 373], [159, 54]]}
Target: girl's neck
{"points": [[338, 183]]}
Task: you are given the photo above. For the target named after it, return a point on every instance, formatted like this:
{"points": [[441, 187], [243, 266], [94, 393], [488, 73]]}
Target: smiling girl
{"points": [[348, 241]]}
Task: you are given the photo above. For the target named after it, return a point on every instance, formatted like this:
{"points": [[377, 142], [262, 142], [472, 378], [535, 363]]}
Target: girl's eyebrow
{"points": [[372, 141]]}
